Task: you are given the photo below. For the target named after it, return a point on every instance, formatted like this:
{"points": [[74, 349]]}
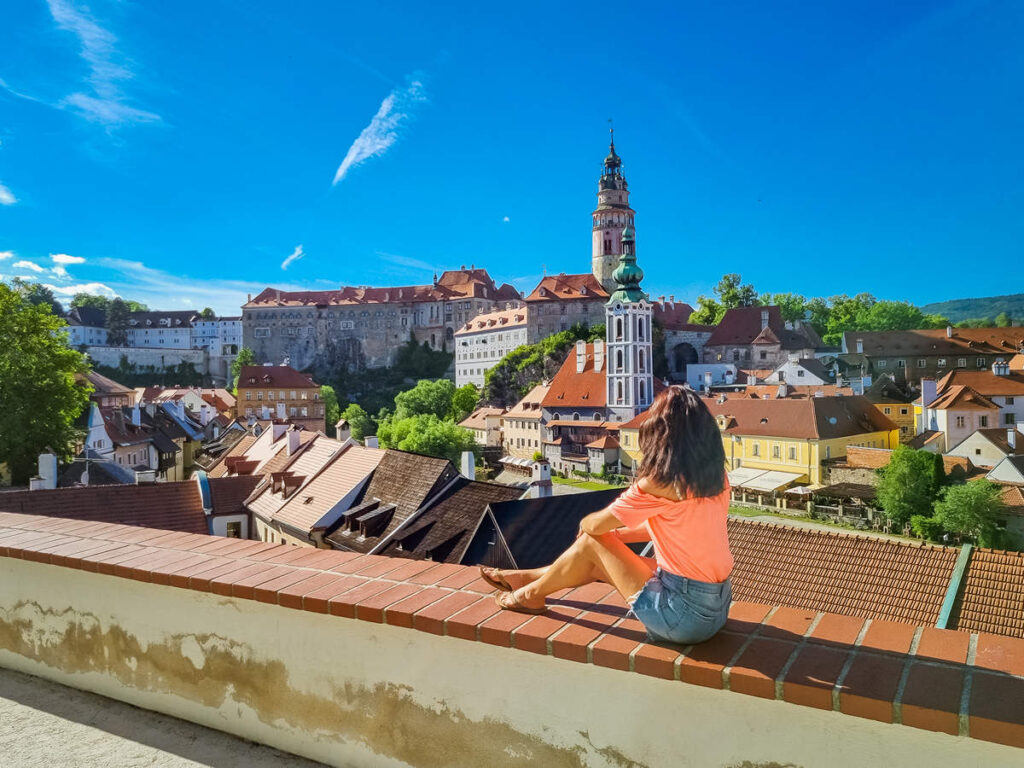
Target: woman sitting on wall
{"points": [[680, 501]]}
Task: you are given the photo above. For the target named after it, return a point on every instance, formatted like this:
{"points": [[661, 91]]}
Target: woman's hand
{"points": [[597, 523]]}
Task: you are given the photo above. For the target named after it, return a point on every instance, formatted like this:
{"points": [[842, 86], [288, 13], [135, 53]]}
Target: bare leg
{"points": [[590, 558]]}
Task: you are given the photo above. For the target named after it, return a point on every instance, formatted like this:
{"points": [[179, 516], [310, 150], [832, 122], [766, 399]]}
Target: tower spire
{"points": [[611, 216]]}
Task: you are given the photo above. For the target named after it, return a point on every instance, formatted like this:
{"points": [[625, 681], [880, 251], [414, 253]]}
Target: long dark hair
{"points": [[682, 446]]}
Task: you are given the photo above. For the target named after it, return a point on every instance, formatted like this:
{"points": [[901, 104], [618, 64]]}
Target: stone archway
{"points": [[682, 355]]}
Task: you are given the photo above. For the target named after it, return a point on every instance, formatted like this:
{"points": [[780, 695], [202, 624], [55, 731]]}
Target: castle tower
{"points": [[611, 217], [628, 313]]}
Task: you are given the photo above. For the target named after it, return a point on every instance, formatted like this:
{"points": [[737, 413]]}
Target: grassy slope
{"points": [[989, 306]]}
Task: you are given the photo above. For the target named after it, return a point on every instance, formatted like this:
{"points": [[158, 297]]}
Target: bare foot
{"points": [[517, 601], [508, 580]]}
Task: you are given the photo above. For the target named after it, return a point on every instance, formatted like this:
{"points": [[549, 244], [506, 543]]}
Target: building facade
{"points": [[562, 301], [610, 219], [362, 327], [484, 340], [280, 392], [521, 432], [757, 337]]}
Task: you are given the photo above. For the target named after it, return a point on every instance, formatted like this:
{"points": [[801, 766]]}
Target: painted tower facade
{"points": [[628, 314], [611, 217]]}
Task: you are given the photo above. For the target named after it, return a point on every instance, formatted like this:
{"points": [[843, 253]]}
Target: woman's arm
{"points": [[597, 523], [633, 535]]}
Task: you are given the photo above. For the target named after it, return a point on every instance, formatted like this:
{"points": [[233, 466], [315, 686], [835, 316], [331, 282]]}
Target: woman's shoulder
{"points": [[649, 487]]}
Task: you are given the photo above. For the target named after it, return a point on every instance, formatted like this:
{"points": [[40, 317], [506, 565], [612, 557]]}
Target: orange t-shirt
{"points": [[690, 536]]}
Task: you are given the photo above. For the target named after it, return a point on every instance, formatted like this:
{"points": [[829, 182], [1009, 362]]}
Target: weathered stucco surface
{"points": [[354, 693]]}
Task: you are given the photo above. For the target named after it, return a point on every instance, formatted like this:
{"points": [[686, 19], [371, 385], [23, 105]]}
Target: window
{"points": [[792, 453], [941, 362], [764, 355], [983, 422], [887, 410], [904, 411], [960, 422], [293, 394], [882, 363], [259, 395], [782, 375], [234, 530], [643, 392], [922, 363], [776, 452], [280, 395], [1009, 419], [756, 449], [901, 363], [981, 362], [270, 394], [961, 362], [1009, 401], [248, 395]]}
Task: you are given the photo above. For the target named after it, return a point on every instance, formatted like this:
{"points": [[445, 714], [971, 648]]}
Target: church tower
{"points": [[611, 218], [628, 313]]}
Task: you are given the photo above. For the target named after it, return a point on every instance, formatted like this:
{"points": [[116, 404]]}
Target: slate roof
{"points": [[283, 376], [814, 418], [885, 390], [839, 573], [993, 594], [401, 484], [171, 506], [91, 317], [444, 530], [539, 530], [104, 386], [565, 287]]}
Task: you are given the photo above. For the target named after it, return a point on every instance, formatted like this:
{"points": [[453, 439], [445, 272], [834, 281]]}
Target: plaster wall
{"points": [[355, 693]]}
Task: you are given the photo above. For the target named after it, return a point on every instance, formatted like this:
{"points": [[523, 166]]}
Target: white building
{"points": [[630, 380], [484, 340], [85, 327], [222, 335], [806, 371], [161, 330]]}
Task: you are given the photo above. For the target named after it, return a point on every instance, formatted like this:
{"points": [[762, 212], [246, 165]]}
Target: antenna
{"points": [[611, 132]]}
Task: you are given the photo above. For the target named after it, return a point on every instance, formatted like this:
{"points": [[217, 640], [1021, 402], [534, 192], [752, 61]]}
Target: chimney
{"points": [[1011, 438], [949, 331], [371, 441], [47, 477], [581, 355], [860, 346], [342, 430], [293, 440], [783, 390], [751, 379], [707, 381], [468, 465], [599, 355], [928, 392], [136, 415], [540, 480], [281, 413], [764, 319], [204, 414], [279, 429]]}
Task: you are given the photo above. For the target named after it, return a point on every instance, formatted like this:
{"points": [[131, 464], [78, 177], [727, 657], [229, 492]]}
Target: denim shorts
{"points": [[675, 609]]}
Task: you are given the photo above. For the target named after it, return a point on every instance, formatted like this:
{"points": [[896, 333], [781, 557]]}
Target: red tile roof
{"points": [[565, 287], [529, 407], [569, 389], [496, 321], [993, 594], [674, 316], [273, 376], [964, 341], [962, 398], [743, 325], [771, 391], [984, 382], [478, 418], [859, 457], [814, 418], [171, 506]]}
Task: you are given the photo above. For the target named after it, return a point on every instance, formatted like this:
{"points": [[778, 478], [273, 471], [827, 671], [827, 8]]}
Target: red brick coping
{"points": [[967, 684]]}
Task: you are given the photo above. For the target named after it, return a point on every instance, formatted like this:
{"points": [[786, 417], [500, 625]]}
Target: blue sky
{"points": [[188, 153]]}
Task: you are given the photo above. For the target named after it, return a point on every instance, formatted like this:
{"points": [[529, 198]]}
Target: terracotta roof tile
{"points": [[839, 573], [964, 341], [565, 287], [171, 506], [228, 493], [993, 594], [572, 389], [962, 398], [530, 406], [273, 376], [813, 418], [478, 418], [494, 321]]}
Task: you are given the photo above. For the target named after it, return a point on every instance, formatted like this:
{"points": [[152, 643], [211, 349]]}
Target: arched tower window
{"points": [[643, 362], [643, 392], [640, 329], [618, 360], [618, 391], [618, 329]]}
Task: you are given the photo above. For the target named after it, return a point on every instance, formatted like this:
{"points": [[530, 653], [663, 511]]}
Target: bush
{"points": [[927, 527]]}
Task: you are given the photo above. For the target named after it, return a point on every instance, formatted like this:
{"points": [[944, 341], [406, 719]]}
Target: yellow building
{"points": [[793, 436], [521, 432], [281, 392]]}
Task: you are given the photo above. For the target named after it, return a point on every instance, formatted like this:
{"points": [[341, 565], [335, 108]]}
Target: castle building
{"points": [[611, 218], [628, 329], [357, 327]]}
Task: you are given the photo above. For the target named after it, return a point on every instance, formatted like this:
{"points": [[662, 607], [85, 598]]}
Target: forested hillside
{"points": [[989, 307]]}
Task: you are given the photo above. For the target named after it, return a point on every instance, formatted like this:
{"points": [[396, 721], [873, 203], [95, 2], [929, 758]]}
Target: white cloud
{"points": [[6, 196], [295, 256], [96, 289], [407, 262], [60, 272], [506, 219], [6, 255], [63, 258], [384, 128], [26, 264], [106, 103]]}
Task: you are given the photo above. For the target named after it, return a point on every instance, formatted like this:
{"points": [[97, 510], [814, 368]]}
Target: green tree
{"points": [[39, 398], [820, 311], [117, 323], [732, 293], [359, 421], [909, 484], [708, 311], [245, 357], [332, 411], [846, 314], [38, 295], [972, 509], [208, 314], [135, 306], [1003, 320], [792, 306], [426, 433], [90, 300], [926, 527], [464, 401], [427, 397]]}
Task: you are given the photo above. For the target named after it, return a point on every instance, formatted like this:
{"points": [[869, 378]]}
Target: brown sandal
{"points": [[497, 581], [508, 601]]}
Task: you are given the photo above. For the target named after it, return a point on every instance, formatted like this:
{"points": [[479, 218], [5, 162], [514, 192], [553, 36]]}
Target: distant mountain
{"points": [[969, 309]]}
